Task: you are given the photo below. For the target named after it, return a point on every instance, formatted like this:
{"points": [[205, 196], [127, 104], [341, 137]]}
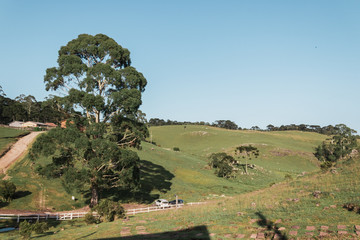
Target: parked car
{"points": [[162, 203], [173, 202]]}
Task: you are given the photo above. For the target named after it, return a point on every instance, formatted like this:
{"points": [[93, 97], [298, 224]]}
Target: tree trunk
{"points": [[94, 196]]}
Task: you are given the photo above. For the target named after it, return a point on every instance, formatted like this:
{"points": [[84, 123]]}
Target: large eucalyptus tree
{"points": [[103, 94]]}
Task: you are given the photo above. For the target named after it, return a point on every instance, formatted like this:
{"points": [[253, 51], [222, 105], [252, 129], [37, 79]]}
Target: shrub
{"points": [[40, 227], [90, 219], [288, 177], [326, 165], [176, 149], [25, 229], [109, 209], [7, 190]]}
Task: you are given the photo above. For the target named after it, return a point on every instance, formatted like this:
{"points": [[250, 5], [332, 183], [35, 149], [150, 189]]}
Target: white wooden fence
{"points": [[73, 215], [157, 208], [57, 216]]}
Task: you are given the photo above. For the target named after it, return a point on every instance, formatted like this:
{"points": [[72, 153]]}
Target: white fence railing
{"points": [[73, 215], [57, 216], [157, 208]]}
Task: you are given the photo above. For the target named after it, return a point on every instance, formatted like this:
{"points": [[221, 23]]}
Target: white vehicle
{"points": [[162, 203]]}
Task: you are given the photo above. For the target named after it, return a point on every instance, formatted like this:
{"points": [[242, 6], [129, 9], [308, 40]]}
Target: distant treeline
{"points": [[227, 124], [27, 108]]}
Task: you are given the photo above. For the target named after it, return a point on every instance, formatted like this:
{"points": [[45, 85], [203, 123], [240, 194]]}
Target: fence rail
{"points": [[73, 215], [57, 216]]}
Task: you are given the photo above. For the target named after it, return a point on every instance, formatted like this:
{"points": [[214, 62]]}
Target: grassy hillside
{"points": [[8, 136], [186, 173], [283, 208], [166, 172], [38, 193]]}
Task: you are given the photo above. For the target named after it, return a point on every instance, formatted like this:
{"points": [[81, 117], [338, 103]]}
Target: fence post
{"points": [[148, 209], [38, 217], [71, 216], [57, 216], [18, 218]]}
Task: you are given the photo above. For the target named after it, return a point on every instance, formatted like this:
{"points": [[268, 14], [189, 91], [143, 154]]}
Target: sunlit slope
{"points": [[289, 151], [187, 176], [185, 173], [8, 136]]}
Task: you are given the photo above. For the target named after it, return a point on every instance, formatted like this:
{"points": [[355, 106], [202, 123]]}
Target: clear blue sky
{"points": [[252, 62]]}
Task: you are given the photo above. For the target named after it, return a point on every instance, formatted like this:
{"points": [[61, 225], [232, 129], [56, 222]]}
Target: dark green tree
{"points": [[7, 190], [336, 148], [102, 96], [247, 152], [223, 164]]}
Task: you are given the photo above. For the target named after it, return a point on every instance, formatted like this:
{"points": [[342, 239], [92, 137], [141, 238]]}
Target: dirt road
{"points": [[16, 151]]}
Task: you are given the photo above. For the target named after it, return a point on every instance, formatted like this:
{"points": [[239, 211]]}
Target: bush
{"points": [[7, 190], [176, 149], [326, 165], [288, 177], [25, 229], [90, 219], [109, 209], [40, 227]]}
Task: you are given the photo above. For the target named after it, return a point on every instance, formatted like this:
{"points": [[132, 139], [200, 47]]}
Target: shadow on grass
{"points": [[198, 232], [3, 204], [272, 228], [152, 177], [20, 194]]}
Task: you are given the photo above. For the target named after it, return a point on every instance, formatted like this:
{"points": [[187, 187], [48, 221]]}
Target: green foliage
{"points": [[90, 154], [338, 147], [288, 177], [40, 227], [223, 164], [25, 229], [176, 149], [247, 152], [225, 124], [91, 219], [326, 165], [82, 162], [7, 190], [108, 210]]}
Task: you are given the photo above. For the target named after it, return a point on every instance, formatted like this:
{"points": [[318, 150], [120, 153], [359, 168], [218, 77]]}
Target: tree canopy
{"points": [[95, 74], [338, 147]]}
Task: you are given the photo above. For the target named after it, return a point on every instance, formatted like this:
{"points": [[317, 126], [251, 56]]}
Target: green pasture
{"points": [[165, 172], [38, 193], [287, 204], [8, 136]]}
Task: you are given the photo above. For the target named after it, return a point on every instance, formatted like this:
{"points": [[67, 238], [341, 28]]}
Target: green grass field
{"points": [[165, 172], [8, 136], [247, 213]]}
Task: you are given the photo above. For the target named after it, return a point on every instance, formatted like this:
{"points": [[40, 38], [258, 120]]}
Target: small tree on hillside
{"points": [[223, 164], [247, 153], [338, 147], [7, 190]]}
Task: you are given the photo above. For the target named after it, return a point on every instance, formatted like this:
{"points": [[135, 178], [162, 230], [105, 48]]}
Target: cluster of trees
{"points": [[102, 94], [218, 123], [227, 166], [162, 122], [27, 108], [340, 146], [227, 124], [327, 130]]}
